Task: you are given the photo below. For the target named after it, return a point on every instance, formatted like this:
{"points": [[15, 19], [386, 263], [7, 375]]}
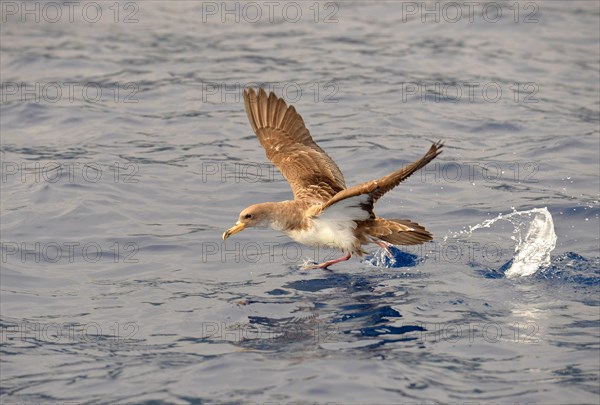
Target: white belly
{"points": [[328, 233]]}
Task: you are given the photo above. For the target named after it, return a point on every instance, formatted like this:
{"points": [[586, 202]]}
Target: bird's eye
{"points": [[247, 216]]}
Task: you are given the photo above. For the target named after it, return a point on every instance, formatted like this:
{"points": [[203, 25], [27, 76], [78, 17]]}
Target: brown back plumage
{"points": [[311, 173]]}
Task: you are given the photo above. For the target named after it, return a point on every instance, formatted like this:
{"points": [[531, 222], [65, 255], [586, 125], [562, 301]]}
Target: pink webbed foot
{"points": [[386, 246], [328, 263]]}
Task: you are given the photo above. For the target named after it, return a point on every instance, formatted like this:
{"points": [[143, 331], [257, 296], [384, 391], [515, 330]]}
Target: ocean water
{"points": [[126, 152]]}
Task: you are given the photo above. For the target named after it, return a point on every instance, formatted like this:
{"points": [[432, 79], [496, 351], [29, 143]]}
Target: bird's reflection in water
{"points": [[338, 310]]}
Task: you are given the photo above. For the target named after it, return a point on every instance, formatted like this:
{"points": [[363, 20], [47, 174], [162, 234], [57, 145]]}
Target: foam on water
{"points": [[393, 258], [534, 236]]}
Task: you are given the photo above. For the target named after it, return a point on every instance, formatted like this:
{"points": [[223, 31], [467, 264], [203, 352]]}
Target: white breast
{"points": [[334, 228], [323, 232]]}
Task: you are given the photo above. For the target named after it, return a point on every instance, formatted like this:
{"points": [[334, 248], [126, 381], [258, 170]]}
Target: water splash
{"points": [[534, 236], [307, 264], [533, 251], [392, 258]]}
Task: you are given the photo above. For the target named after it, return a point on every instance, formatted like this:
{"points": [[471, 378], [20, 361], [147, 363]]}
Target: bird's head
{"points": [[257, 215]]}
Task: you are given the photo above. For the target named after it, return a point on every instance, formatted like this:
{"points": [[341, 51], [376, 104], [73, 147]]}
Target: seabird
{"points": [[323, 212]]}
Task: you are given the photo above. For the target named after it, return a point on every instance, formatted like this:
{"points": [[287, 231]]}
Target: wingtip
{"points": [[249, 95], [261, 92], [255, 95], [436, 147]]}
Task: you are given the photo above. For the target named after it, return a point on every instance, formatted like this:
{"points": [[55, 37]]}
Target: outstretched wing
{"points": [[374, 189], [311, 173]]}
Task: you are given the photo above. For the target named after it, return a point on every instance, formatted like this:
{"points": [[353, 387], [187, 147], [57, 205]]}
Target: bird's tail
{"points": [[396, 231]]}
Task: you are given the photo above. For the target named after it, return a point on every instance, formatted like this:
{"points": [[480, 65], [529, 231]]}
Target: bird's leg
{"points": [[328, 263], [385, 246]]}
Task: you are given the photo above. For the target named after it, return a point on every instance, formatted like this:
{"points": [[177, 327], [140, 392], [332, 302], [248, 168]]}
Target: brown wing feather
{"points": [[405, 232], [394, 231], [377, 188], [311, 173]]}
